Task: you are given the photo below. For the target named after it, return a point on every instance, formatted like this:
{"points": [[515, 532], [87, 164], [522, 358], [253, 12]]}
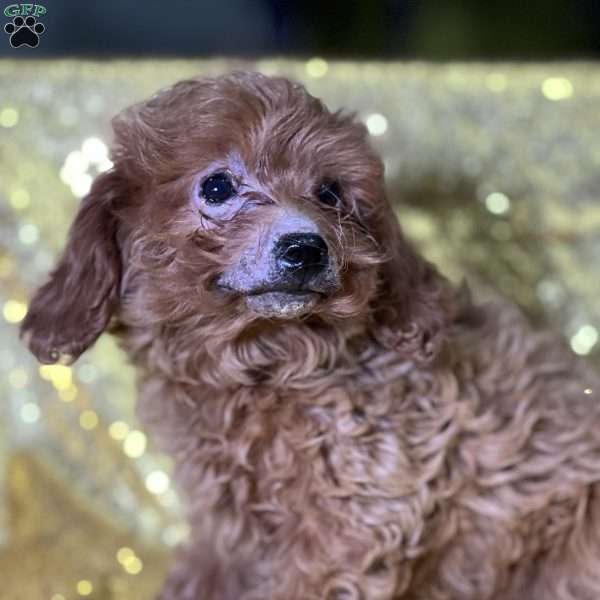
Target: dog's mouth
{"points": [[283, 303], [278, 302]]}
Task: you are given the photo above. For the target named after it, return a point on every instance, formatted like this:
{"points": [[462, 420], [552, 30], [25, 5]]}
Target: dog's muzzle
{"points": [[286, 275]]}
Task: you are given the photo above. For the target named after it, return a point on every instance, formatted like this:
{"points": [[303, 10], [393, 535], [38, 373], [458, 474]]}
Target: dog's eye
{"points": [[330, 193], [217, 188]]}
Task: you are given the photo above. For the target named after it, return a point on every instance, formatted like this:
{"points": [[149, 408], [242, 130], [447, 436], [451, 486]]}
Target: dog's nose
{"points": [[302, 254]]}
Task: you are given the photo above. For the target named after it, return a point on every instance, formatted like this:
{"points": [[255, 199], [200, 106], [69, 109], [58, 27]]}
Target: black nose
{"points": [[301, 254]]}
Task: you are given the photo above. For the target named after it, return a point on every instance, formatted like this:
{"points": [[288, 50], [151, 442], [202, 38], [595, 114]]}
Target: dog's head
{"points": [[233, 203]]}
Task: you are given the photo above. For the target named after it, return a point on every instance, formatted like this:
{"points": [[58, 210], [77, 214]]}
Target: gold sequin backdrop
{"points": [[495, 172]]}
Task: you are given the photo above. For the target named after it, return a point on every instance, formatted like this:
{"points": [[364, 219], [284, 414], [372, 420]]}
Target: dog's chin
{"points": [[282, 304]]}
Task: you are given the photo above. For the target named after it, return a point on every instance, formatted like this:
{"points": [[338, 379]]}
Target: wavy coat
{"points": [[398, 442]]}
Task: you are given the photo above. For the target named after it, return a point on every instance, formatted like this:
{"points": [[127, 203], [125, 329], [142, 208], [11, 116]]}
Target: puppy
{"points": [[345, 423]]}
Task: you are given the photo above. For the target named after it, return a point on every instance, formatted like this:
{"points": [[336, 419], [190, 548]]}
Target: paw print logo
{"points": [[24, 32]]}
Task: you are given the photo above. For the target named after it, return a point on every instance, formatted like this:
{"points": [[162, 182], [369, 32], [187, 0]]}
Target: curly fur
{"points": [[396, 443]]}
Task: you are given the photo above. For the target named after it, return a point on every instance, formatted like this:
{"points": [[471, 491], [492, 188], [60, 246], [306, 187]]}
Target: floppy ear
{"points": [[417, 305], [73, 308]]}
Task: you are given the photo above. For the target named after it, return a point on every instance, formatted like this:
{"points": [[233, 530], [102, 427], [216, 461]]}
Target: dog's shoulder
{"points": [[526, 398]]}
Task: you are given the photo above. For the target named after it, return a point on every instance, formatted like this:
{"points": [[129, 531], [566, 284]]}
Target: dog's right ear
{"points": [[73, 308]]}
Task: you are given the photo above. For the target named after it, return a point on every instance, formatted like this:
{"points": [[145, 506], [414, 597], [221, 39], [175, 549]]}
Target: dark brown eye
{"points": [[217, 188], [330, 193]]}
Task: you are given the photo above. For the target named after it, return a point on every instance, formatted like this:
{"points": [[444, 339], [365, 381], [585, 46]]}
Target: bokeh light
{"points": [[135, 444], [9, 116], [84, 587], [557, 88], [377, 124], [317, 67], [14, 311]]}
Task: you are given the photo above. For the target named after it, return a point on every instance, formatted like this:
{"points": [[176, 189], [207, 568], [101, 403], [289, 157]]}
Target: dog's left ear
{"points": [[70, 311], [416, 305]]}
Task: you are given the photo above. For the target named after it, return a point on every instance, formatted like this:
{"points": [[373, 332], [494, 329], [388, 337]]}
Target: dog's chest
{"points": [[337, 442], [304, 477], [303, 461]]}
